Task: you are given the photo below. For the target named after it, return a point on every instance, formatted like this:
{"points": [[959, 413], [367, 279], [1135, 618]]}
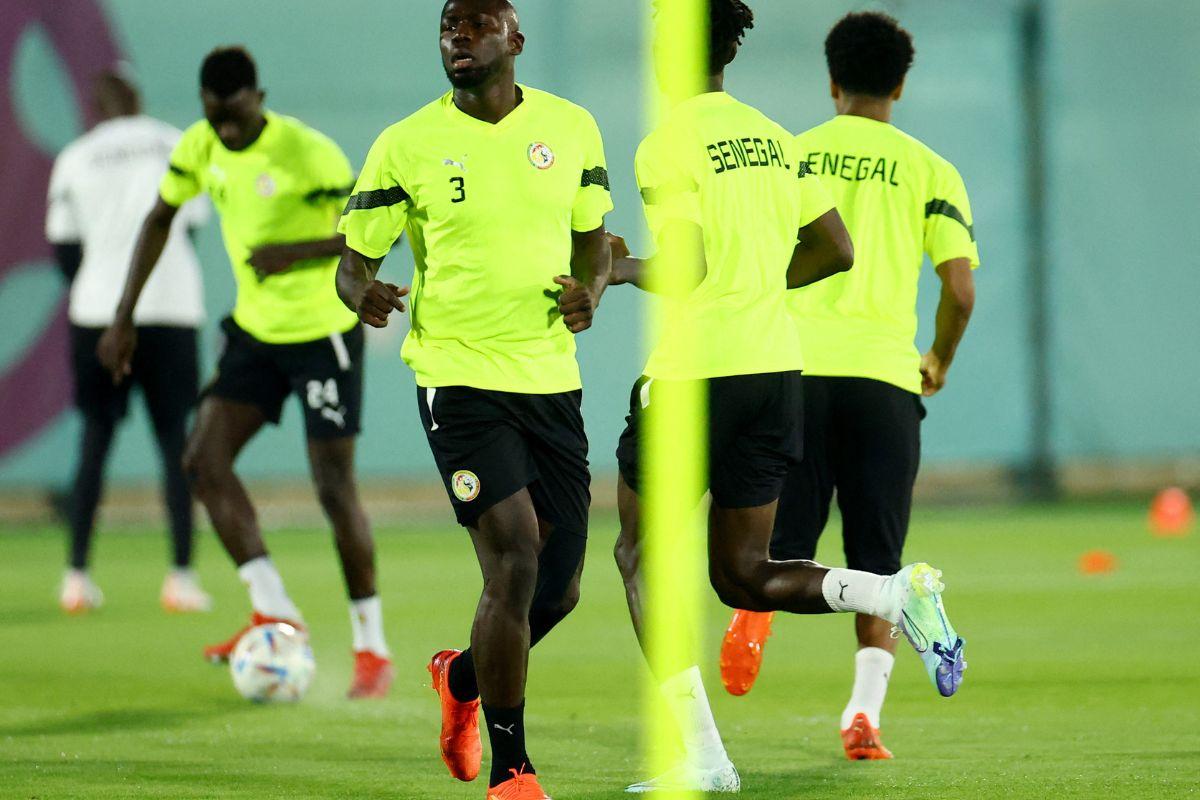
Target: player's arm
{"points": [[953, 314], [272, 259], [678, 236], [117, 344], [591, 266], [824, 250], [363, 293]]}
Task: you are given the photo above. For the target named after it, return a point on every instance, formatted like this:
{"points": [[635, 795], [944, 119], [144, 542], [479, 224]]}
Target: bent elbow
{"points": [[844, 260]]}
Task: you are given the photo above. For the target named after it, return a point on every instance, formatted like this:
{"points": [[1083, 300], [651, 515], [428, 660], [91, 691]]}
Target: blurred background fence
{"points": [[1074, 123]]}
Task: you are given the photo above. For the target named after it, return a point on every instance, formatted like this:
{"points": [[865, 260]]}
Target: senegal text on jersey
{"points": [[731, 154], [853, 168]]}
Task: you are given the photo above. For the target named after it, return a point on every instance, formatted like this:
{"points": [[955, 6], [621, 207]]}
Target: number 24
{"points": [[460, 185]]}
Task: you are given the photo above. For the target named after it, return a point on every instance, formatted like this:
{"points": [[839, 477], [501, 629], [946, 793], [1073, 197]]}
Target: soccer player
{"points": [[279, 187], [863, 377], [719, 172], [101, 187], [502, 188]]}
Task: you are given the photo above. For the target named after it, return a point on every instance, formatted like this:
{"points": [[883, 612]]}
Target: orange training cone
{"points": [[1097, 562], [1171, 513]]}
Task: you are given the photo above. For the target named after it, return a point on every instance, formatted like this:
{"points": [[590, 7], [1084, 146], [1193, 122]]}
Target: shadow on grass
{"points": [[108, 721]]}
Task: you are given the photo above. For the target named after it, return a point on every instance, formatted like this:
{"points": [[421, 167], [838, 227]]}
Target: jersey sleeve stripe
{"points": [[376, 198], [331, 193], [596, 176], [180, 171], [948, 209]]}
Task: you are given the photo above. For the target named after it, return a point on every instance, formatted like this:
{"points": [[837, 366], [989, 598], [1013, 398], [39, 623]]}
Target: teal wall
{"points": [[1122, 174]]}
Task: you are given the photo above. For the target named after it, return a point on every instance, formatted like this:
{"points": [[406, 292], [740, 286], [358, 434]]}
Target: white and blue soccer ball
{"points": [[272, 663]]}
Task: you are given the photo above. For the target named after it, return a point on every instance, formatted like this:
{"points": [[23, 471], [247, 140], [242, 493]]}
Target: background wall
{"points": [[1123, 107]]}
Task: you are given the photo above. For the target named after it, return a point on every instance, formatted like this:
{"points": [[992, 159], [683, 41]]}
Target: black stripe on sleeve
{"points": [[948, 209], [377, 198], [180, 171], [331, 193], [596, 176]]}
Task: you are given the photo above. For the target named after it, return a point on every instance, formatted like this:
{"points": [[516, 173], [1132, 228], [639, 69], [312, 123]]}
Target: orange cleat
{"points": [[462, 749], [742, 649], [373, 676], [861, 741], [219, 653], [521, 786]]}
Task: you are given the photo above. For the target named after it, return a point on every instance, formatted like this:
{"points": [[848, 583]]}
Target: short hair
{"points": [[228, 70], [729, 21], [869, 53]]}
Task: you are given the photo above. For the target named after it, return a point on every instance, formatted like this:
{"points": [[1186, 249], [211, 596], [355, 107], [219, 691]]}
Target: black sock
{"points": [[461, 679], [506, 730]]}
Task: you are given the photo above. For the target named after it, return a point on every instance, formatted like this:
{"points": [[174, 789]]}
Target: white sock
{"points": [[872, 668], [688, 702], [860, 592], [366, 620], [267, 595]]}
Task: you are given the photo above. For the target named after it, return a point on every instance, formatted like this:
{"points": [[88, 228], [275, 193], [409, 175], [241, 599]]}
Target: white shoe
{"points": [[181, 593], [685, 777], [78, 594]]}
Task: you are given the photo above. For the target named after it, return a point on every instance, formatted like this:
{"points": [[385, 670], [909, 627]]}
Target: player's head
{"points": [[231, 97], [115, 94], [869, 55], [729, 21], [481, 39]]}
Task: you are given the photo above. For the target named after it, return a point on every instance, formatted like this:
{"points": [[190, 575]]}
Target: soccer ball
{"points": [[272, 663]]}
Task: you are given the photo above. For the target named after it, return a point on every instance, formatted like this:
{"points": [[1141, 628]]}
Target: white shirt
{"points": [[101, 189]]}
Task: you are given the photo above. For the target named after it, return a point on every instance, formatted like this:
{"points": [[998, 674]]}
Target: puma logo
{"points": [[842, 594], [509, 730], [450, 162]]}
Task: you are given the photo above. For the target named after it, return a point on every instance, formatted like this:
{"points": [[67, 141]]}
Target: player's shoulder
{"points": [[301, 133], [549, 103], [759, 117], [936, 162], [416, 125]]}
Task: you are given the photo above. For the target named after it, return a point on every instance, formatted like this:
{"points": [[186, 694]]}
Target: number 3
{"points": [[460, 184]]}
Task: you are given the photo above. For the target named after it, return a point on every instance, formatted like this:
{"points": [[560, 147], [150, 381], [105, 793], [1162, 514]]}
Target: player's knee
{"points": [[626, 554], [512, 578], [203, 471], [735, 584]]}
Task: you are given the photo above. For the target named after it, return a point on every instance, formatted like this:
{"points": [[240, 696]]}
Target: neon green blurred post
{"points": [[675, 444]]}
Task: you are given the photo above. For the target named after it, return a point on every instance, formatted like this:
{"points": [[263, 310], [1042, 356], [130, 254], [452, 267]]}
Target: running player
{"points": [[720, 172], [101, 187], [863, 377], [502, 188], [278, 186]]}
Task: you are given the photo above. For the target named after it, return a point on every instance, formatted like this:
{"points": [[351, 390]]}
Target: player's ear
{"points": [[896, 95], [835, 91], [516, 43], [262, 96]]}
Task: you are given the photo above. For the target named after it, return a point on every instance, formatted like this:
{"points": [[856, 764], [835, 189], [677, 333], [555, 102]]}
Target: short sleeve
{"points": [[62, 224], [332, 176], [378, 208], [670, 193], [594, 198], [949, 226], [182, 181], [815, 199]]}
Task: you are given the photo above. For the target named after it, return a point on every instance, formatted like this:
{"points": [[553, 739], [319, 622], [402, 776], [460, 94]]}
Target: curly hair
{"points": [[228, 70], [730, 19], [869, 53]]}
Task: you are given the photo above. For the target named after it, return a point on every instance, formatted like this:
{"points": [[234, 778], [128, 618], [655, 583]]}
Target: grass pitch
{"points": [[1078, 686]]}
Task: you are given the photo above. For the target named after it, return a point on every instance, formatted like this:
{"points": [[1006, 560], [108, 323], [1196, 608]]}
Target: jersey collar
{"points": [[456, 115]]}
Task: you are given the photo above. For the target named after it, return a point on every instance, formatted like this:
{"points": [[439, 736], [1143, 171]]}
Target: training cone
{"points": [[1097, 562], [1171, 513]]}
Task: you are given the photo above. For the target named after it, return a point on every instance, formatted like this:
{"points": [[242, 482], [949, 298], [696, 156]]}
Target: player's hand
{"points": [[272, 259], [576, 304], [378, 300], [933, 373], [115, 350], [620, 250]]}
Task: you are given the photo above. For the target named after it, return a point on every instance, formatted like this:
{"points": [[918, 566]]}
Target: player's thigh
{"points": [[327, 376], [808, 489], [878, 451], [223, 427], [248, 374], [755, 437], [96, 396], [167, 368], [507, 540], [480, 452]]}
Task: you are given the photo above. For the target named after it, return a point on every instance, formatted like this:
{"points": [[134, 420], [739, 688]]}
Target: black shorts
{"points": [[862, 437], [490, 445], [326, 374], [165, 367], [754, 436]]}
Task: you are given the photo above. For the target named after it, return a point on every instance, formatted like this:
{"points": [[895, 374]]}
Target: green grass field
{"points": [[1078, 687]]}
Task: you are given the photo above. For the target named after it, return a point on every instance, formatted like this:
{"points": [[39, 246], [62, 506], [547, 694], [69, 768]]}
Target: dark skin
{"points": [[480, 42], [224, 427], [955, 305], [740, 567]]}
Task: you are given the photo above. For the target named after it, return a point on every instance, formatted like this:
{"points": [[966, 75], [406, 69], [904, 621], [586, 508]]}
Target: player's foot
{"points": [[219, 653], [462, 749], [742, 649], [521, 786], [78, 594], [688, 778], [373, 676], [862, 742], [924, 623], [181, 593]]}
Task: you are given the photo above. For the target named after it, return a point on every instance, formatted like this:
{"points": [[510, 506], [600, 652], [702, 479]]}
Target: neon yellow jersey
{"points": [[726, 167], [900, 201], [489, 211], [288, 186]]}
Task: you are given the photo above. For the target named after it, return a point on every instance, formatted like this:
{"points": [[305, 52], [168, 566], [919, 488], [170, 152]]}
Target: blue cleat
{"points": [[924, 623]]}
